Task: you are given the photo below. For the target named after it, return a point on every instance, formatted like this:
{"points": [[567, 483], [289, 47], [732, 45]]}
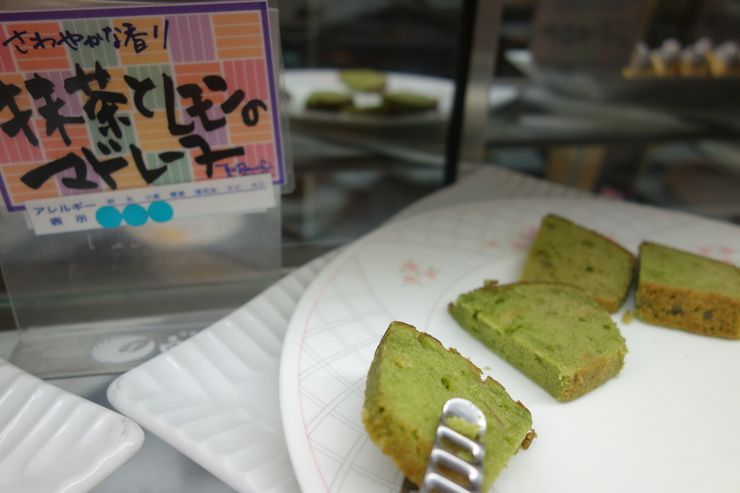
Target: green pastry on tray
{"points": [[390, 103]]}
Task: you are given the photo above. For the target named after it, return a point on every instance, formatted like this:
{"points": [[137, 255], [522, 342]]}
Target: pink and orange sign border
{"points": [[122, 98]]}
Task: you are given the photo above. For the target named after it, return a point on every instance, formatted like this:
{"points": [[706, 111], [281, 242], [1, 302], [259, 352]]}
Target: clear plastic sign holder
{"points": [[140, 269]]}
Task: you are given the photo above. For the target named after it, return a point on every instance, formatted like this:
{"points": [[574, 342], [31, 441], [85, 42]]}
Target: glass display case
{"points": [[561, 99], [569, 114], [386, 103]]}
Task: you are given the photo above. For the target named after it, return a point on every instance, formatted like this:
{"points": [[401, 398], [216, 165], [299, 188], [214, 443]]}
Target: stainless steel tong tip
{"points": [[456, 461]]}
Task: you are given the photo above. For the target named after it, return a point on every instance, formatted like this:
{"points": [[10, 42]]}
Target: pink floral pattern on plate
{"points": [[413, 274]]}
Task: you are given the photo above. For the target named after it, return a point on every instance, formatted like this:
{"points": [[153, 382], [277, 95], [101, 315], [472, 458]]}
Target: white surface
{"points": [[214, 396], [299, 84], [668, 422], [55, 441]]}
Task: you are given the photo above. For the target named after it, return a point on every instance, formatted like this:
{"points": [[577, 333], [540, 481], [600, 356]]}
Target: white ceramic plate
{"points": [[214, 396], [54, 441], [668, 422], [299, 84]]}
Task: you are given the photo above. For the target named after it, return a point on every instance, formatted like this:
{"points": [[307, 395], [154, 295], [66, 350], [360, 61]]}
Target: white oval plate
{"points": [[668, 422]]}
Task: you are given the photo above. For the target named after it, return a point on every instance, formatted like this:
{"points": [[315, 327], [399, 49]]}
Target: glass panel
{"points": [[573, 118], [632, 100], [103, 300], [356, 167]]}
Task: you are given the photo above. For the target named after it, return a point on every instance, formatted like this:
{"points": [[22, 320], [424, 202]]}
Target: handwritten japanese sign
{"points": [[126, 98]]}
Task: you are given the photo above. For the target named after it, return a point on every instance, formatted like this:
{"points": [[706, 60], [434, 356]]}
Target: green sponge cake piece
{"points": [[363, 79], [403, 103], [554, 333], [399, 104], [684, 291], [410, 379], [329, 101], [566, 252]]}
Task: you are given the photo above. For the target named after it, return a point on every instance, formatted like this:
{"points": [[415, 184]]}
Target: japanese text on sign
{"points": [[129, 100]]}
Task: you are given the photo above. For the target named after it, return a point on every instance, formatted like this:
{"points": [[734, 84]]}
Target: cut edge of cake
{"points": [[406, 433], [537, 260], [702, 311], [565, 384]]}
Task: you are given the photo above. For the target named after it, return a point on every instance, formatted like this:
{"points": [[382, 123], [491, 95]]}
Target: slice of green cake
{"points": [[329, 101], [685, 291], [398, 104], [553, 333], [404, 103], [410, 379], [565, 252], [363, 79]]}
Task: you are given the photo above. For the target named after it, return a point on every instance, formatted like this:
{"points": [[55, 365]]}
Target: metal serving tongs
{"points": [[456, 461]]}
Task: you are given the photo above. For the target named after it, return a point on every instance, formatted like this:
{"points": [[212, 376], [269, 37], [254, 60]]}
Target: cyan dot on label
{"points": [[108, 217], [160, 211], [135, 215]]}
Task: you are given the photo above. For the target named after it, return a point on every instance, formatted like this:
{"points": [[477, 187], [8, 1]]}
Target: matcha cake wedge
{"points": [[404, 103], [411, 377], [363, 79], [555, 334], [690, 292], [329, 101], [566, 252]]}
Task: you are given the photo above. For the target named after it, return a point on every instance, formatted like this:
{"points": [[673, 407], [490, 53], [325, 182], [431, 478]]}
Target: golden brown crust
{"points": [[610, 304], [705, 313], [394, 444], [528, 439], [592, 376]]}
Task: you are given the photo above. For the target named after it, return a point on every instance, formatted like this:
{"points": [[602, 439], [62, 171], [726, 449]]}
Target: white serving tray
{"points": [[55, 441], [214, 397]]}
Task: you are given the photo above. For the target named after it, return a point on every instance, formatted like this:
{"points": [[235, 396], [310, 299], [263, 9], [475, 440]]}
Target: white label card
{"points": [[137, 207]]}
